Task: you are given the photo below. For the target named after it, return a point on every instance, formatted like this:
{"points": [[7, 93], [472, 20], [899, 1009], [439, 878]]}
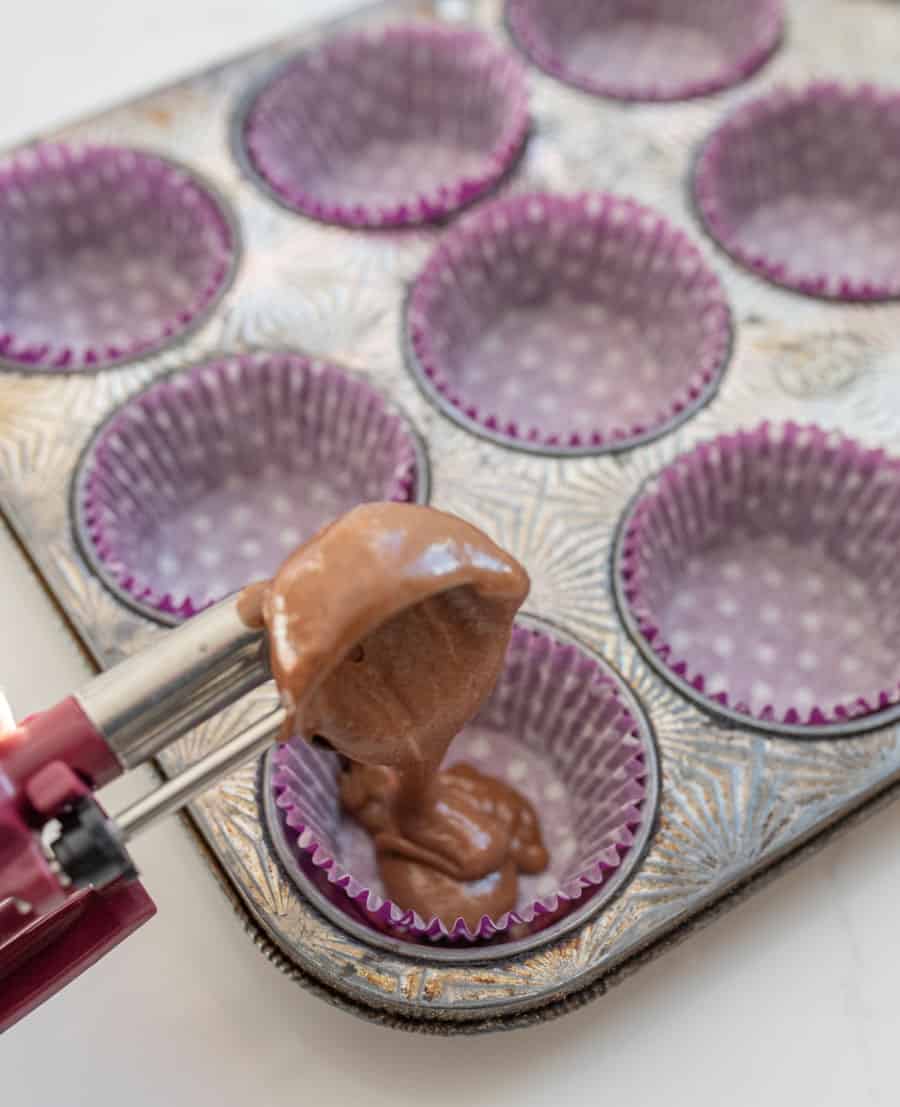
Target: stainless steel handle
{"points": [[196, 778], [148, 701]]}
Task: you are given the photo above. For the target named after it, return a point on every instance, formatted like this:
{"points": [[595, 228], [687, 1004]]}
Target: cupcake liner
{"points": [[388, 128], [648, 49], [558, 730], [106, 254], [210, 477], [760, 571], [568, 324], [803, 187]]}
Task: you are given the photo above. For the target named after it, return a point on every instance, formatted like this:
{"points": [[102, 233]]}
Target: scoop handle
{"points": [[186, 676]]}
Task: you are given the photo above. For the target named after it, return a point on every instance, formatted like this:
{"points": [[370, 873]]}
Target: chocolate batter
{"points": [[386, 633]]}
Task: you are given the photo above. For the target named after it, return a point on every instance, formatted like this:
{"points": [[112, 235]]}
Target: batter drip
{"points": [[386, 632]]}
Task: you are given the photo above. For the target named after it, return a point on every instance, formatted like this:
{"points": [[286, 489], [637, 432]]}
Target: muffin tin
{"points": [[737, 795]]}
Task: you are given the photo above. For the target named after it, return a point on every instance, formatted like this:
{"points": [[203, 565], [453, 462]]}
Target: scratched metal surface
{"points": [[733, 801]]}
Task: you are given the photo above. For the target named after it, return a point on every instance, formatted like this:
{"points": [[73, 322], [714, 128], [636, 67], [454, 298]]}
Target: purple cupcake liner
{"points": [[106, 255], [759, 571], [557, 728], [648, 49], [210, 477], [803, 187], [388, 128], [568, 324]]}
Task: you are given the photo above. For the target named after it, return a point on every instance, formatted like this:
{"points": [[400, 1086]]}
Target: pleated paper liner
{"points": [[211, 476], [388, 128], [802, 186], [568, 324], [759, 571], [648, 49], [106, 254], [558, 728]]}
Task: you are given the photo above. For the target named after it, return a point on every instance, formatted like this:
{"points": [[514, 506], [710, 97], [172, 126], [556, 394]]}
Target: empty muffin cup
{"points": [[759, 571], [106, 255], [210, 477], [387, 128], [803, 187], [648, 49], [557, 728], [568, 324]]}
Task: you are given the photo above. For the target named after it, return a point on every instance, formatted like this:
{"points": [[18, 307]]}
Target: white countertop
{"points": [[792, 998]]}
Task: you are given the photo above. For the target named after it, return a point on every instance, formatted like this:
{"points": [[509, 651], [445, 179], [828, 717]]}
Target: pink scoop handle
{"points": [[57, 947], [48, 934], [63, 733]]}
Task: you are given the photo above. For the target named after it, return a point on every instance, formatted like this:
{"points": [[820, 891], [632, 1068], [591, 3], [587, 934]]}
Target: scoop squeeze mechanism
{"points": [[68, 889]]}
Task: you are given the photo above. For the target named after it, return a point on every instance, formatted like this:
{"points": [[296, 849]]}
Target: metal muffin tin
{"points": [[736, 802]]}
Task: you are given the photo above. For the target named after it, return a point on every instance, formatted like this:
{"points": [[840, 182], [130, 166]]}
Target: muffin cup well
{"points": [[106, 255], [802, 186], [388, 128], [211, 476], [568, 324], [557, 728], [757, 572], [648, 49]]}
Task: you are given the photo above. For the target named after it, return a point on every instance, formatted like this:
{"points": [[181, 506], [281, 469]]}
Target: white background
{"points": [[792, 998]]}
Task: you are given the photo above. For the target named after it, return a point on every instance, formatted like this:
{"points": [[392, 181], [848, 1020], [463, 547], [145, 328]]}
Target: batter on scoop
{"points": [[387, 631]]}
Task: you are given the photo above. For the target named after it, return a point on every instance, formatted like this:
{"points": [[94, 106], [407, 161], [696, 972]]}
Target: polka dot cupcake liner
{"points": [[210, 477], [568, 324], [648, 49], [557, 728], [759, 573], [106, 255], [803, 187], [388, 128]]}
